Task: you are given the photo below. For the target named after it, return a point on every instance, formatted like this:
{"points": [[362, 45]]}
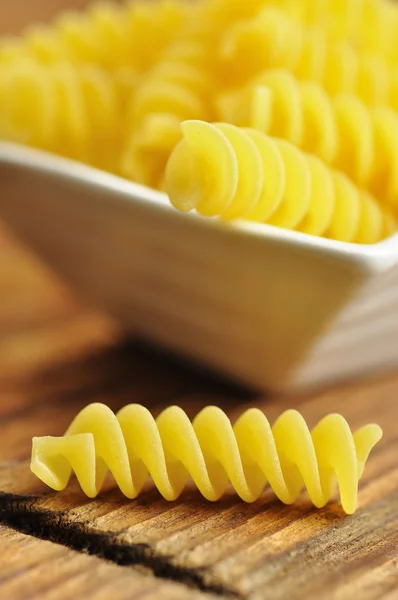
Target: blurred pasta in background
{"points": [[112, 84]]}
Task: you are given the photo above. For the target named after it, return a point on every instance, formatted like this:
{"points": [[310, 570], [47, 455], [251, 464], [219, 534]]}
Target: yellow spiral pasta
{"points": [[178, 87], [226, 12], [107, 34], [147, 150], [112, 85], [344, 132], [64, 109], [369, 25], [126, 81], [220, 169], [171, 449], [274, 39]]}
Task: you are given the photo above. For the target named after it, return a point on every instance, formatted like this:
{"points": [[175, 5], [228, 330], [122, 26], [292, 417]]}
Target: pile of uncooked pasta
{"points": [[279, 112]]}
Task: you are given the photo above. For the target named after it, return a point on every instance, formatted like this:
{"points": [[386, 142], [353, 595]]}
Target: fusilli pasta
{"points": [[274, 39], [210, 450], [344, 132], [112, 85], [107, 34], [220, 169], [63, 109]]}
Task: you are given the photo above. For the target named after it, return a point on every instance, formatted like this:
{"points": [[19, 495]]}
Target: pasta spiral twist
{"points": [[178, 87], [344, 132], [370, 25], [106, 34], [64, 109], [220, 169], [132, 444], [227, 12], [274, 39]]}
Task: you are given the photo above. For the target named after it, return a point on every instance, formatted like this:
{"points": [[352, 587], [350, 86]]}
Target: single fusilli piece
{"points": [[210, 450], [274, 39], [220, 169], [343, 131], [65, 109]]}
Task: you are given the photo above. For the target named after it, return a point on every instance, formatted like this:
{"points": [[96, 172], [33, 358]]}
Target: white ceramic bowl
{"points": [[275, 309]]}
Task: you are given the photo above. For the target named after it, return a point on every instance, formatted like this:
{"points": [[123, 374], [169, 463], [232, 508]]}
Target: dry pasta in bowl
{"points": [[120, 88], [221, 169]]}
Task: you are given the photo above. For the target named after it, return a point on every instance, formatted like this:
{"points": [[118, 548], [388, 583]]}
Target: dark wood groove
{"points": [[19, 513]]}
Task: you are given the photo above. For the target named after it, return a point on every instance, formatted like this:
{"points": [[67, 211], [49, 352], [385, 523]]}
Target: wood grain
{"points": [[38, 569], [56, 357]]}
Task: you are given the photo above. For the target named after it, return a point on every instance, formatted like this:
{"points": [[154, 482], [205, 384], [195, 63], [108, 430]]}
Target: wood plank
{"points": [[52, 367], [42, 570], [228, 548]]}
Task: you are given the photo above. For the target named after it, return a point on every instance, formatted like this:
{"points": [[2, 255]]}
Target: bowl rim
{"points": [[370, 257]]}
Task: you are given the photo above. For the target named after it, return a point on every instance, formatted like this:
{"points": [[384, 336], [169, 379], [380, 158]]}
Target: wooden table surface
{"points": [[55, 357]]}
